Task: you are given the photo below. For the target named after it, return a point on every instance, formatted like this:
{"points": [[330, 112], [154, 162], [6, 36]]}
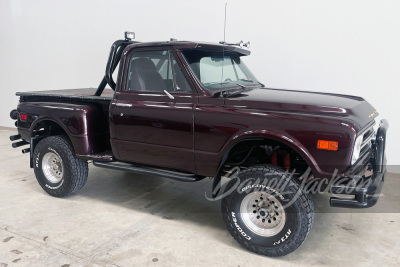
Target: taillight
{"points": [[23, 117]]}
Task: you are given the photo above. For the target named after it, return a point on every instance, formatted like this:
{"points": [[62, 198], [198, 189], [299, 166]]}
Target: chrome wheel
{"points": [[262, 213], [52, 167]]}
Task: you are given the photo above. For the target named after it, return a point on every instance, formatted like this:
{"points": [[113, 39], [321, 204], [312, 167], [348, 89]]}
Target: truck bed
{"points": [[82, 93]]}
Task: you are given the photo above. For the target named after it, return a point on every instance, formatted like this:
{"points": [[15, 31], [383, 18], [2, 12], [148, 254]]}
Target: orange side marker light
{"points": [[327, 145]]}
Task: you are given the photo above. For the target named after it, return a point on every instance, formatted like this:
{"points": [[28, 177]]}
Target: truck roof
{"points": [[194, 45]]}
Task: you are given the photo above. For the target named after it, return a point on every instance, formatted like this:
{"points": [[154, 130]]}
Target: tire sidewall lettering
{"points": [[238, 228], [283, 195]]}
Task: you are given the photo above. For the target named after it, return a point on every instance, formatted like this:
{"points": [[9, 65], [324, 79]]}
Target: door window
{"points": [[155, 71]]}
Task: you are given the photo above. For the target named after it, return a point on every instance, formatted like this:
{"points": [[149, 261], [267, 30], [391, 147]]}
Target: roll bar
{"points": [[113, 59]]}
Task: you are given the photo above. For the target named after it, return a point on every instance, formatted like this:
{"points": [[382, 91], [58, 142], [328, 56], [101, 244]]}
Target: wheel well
{"points": [[265, 151], [44, 129], [250, 152], [48, 128]]}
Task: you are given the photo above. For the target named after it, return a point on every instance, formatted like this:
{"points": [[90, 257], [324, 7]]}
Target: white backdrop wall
{"points": [[348, 46]]}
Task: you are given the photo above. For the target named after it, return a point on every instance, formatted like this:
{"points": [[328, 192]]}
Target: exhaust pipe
{"points": [[20, 143], [15, 137], [26, 150]]}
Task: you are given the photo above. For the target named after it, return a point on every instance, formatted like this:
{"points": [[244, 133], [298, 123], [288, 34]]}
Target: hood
{"points": [[304, 102]]}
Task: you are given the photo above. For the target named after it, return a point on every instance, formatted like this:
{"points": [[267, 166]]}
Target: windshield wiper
{"points": [[241, 85], [232, 92], [251, 81], [238, 84]]}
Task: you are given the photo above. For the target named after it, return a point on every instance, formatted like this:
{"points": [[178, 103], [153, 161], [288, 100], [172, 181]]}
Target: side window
{"points": [[149, 71], [155, 71]]}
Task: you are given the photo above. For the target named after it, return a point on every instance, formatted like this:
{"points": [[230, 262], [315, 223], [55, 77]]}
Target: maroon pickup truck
{"points": [[191, 110]]}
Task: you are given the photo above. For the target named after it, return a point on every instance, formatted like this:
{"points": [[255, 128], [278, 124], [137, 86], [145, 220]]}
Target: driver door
{"points": [[152, 113]]}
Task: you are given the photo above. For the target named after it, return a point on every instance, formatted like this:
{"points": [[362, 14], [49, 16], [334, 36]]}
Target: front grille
{"points": [[366, 144]]}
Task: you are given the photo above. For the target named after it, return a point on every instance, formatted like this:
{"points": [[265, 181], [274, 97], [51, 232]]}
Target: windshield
{"points": [[216, 70]]}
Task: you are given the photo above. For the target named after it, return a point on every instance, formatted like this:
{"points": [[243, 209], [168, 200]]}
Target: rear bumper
{"points": [[365, 189]]}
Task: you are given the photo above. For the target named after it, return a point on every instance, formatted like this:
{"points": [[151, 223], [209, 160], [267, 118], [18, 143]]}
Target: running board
{"points": [[150, 171]]}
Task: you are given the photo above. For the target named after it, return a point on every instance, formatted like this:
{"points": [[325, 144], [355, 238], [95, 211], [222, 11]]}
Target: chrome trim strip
{"points": [[123, 105]]}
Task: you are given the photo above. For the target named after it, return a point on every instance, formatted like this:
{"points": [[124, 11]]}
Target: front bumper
{"points": [[365, 189]]}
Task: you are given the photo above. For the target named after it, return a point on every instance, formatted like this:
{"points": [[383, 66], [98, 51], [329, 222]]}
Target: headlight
{"points": [[376, 125], [359, 141], [357, 149]]}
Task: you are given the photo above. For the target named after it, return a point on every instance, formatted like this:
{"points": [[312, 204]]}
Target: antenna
{"points": [[223, 46], [225, 21]]}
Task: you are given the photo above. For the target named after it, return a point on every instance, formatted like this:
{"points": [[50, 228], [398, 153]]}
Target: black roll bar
{"points": [[115, 56]]}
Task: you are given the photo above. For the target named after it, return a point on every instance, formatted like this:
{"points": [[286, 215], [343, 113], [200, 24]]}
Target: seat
{"points": [[143, 76]]}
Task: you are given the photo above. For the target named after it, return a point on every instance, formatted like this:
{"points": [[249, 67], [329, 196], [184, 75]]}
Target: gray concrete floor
{"points": [[122, 219]]}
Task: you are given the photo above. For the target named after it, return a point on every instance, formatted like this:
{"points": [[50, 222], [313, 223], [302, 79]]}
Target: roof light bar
{"points": [[240, 44]]}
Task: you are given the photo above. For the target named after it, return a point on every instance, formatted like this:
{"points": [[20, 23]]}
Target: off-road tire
{"points": [[299, 215], [74, 171]]}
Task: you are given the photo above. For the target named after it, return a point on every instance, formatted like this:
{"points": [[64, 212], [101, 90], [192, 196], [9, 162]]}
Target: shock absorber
{"points": [[286, 161], [274, 159]]}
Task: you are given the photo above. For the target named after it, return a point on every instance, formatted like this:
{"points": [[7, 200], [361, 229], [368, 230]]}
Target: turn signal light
{"points": [[327, 145], [23, 117]]}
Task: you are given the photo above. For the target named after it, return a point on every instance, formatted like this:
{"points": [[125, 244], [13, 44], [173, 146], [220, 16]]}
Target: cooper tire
{"points": [[58, 172], [265, 219]]}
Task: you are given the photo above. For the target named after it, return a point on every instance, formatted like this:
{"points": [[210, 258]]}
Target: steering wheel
{"points": [[228, 80]]}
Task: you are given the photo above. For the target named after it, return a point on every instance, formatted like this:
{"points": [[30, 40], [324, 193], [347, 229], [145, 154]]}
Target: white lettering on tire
{"points": [[55, 187], [283, 238], [239, 228], [37, 160]]}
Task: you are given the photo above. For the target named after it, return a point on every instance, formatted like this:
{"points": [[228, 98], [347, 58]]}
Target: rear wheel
{"points": [[265, 218], [58, 172]]}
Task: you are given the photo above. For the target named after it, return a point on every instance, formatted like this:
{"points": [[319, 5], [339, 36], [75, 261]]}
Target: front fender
{"points": [[284, 138]]}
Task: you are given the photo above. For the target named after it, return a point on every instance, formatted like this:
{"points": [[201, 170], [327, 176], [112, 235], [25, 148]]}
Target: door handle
{"points": [[123, 105]]}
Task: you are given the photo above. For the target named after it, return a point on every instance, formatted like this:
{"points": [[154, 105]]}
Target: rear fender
{"points": [[83, 123]]}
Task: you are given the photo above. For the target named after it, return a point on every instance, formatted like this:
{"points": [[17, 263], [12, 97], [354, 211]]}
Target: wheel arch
{"points": [[43, 128], [55, 128], [284, 139], [261, 137]]}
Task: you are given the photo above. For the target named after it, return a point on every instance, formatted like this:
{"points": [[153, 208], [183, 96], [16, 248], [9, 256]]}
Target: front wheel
{"points": [[266, 211], [58, 172]]}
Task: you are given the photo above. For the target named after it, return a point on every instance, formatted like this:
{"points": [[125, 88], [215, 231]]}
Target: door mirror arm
{"points": [[169, 95]]}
